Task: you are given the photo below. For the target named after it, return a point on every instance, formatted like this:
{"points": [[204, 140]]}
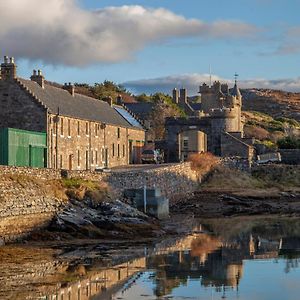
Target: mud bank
{"points": [[210, 204]]}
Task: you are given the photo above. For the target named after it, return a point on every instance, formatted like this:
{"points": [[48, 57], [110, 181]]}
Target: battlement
{"points": [[215, 88], [223, 113]]}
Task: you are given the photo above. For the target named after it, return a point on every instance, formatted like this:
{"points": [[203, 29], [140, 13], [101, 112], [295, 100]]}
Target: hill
{"points": [[272, 102]]}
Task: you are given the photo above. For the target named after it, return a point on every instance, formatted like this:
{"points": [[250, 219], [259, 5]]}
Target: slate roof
{"points": [[79, 106], [141, 109], [236, 91], [196, 106]]}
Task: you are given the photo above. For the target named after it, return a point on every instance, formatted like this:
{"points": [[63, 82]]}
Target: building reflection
{"points": [[216, 262]]}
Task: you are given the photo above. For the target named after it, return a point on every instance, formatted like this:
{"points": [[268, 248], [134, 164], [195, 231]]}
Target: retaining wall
{"points": [[28, 199]]}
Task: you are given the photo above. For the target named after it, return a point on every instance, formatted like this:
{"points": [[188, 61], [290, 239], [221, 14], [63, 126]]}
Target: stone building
{"points": [[219, 116], [83, 133]]}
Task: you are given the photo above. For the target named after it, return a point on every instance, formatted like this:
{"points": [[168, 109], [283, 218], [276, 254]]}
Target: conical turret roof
{"points": [[236, 91]]}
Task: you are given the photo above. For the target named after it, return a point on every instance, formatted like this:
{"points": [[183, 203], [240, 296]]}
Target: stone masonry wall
{"points": [[28, 200], [18, 109]]}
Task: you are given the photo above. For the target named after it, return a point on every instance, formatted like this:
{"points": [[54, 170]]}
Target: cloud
{"points": [[291, 42], [59, 32], [192, 82]]}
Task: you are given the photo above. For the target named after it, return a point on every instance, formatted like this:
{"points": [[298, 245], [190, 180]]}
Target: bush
{"points": [[289, 143], [257, 132], [203, 162]]}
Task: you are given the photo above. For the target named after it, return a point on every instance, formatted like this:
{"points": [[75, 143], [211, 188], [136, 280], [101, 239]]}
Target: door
{"points": [[37, 156]]}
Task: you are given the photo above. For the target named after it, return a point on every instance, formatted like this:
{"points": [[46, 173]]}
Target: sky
{"points": [[155, 45]]}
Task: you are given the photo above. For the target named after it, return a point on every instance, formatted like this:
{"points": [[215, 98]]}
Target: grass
{"points": [[273, 177], [80, 189]]}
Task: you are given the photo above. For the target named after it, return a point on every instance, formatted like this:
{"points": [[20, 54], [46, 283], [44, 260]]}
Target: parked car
{"points": [[151, 157], [269, 158]]}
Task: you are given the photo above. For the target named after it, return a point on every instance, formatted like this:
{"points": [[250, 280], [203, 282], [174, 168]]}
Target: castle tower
{"points": [[183, 96], [175, 94], [8, 69]]}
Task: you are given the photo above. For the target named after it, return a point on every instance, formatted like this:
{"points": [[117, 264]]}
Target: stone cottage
{"points": [[83, 133]]}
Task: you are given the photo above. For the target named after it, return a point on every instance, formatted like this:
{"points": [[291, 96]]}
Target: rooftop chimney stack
{"points": [[38, 78], [119, 99], [8, 69], [109, 100], [70, 88]]}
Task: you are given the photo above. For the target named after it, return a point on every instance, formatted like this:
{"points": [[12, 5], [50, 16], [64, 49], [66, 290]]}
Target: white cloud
{"points": [[60, 32], [192, 82]]}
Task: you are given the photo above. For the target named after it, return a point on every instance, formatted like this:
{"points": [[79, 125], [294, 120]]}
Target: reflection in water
{"points": [[231, 261]]}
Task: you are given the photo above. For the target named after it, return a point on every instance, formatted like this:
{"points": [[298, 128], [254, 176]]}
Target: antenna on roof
{"points": [[235, 77]]}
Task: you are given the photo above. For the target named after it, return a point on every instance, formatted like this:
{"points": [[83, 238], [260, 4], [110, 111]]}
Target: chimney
{"points": [[70, 88], [183, 96], [175, 96], [38, 78], [8, 69], [109, 100], [119, 100]]}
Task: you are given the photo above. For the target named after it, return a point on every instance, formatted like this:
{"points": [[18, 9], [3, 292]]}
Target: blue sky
{"points": [[153, 45]]}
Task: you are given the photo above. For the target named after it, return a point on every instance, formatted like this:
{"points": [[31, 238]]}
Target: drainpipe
{"points": [[56, 138], [90, 146]]}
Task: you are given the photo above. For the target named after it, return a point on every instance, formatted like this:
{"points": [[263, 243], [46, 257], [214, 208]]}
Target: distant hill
{"points": [[272, 102]]}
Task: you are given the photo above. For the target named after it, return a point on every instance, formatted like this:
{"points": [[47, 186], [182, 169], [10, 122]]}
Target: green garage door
{"points": [[37, 157]]}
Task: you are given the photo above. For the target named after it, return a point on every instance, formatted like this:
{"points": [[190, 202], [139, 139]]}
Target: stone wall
{"points": [[26, 203], [18, 109], [290, 156], [48, 174], [29, 198]]}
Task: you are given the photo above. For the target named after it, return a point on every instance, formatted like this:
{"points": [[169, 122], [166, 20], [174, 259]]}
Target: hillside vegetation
{"points": [[273, 132], [275, 103]]}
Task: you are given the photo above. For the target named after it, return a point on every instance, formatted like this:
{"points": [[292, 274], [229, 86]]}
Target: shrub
{"points": [[289, 143], [203, 162], [257, 132]]}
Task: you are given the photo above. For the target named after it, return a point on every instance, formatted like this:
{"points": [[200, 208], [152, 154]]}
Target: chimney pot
{"points": [[12, 60], [6, 59]]}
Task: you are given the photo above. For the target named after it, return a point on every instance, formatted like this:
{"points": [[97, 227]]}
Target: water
{"points": [[241, 258]]}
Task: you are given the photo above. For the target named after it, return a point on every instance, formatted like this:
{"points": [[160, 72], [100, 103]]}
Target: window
{"points": [[123, 150], [78, 158], [118, 150], [119, 133], [92, 157], [61, 161], [78, 128], [87, 159], [61, 126], [96, 157], [87, 128], [113, 149], [96, 129], [69, 127], [185, 144]]}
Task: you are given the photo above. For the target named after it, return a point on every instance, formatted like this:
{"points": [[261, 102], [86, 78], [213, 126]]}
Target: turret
{"points": [[175, 94]]}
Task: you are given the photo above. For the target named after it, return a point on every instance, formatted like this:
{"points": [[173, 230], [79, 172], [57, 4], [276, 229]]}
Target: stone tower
{"points": [[175, 94]]}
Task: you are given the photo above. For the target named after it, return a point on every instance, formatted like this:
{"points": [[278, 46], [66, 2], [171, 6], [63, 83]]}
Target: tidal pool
{"points": [[250, 258]]}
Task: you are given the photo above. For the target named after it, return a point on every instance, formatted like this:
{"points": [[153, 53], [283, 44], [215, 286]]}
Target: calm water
{"points": [[244, 258]]}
